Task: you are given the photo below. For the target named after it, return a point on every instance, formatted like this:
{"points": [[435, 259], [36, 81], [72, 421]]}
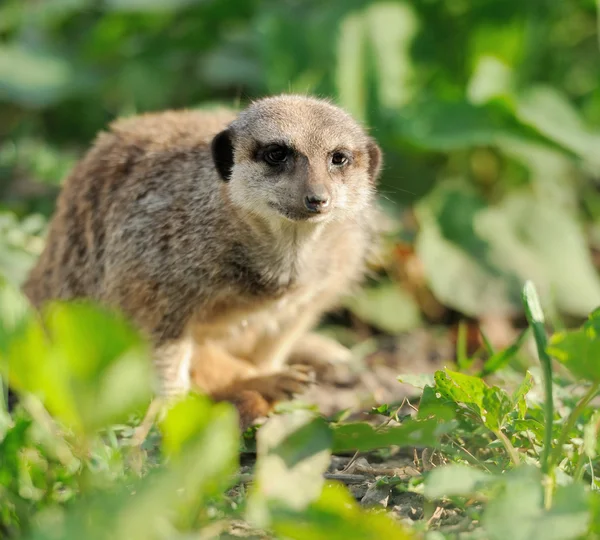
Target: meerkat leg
{"points": [[226, 378], [329, 359], [272, 351], [214, 368], [255, 397], [316, 350], [172, 362]]}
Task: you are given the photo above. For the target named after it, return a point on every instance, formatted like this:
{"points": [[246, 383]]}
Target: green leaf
{"points": [[453, 480], [590, 435], [417, 380], [335, 516], [15, 311], [498, 360], [293, 450], [546, 109], [477, 257], [518, 397], [364, 437], [517, 512], [187, 419], [149, 5], [373, 48], [434, 406], [89, 366], [489, 405], [33, 78], [579, 350], [386, 306], [445, 125]]}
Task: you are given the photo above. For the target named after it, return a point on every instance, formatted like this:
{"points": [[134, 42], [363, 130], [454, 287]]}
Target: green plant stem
{"points": [[535, 318], [575, 414], [512, 452]]}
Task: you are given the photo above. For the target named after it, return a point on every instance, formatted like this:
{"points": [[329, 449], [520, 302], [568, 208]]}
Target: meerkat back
{"points": [[72, 264]]}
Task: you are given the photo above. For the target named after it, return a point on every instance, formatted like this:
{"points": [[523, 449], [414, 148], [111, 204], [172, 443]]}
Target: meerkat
{"points": [[223, 236]]}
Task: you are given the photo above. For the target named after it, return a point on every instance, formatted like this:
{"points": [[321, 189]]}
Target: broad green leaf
{"points": [[461, 388], [391, 28], [455, 479], [336, 516], [149, 5], [364, 437], [373, 48], [517, 512], [386, 306], [31, 77], [15, 311], [579, 350], [417, 380], [444, 125], [549, 111], [89, 366], [496, 405], [490, 405], [498, 360], [186, 419], [293, 450], [477, 257], [434, 406]]}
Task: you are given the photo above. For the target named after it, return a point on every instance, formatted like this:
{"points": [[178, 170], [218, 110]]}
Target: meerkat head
{"points": [[297, 159]]}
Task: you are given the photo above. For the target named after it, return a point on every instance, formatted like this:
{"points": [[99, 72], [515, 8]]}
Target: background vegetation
{"points": [[488, 112]]}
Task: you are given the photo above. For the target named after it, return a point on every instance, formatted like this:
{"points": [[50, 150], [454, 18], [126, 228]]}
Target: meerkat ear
{"points": [[222, 153], [375, 160]]}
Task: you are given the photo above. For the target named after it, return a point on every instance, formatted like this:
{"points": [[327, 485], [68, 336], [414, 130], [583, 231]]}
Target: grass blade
{"points": [[487, 344], [501, 358], [462, 358], [535, 318]]}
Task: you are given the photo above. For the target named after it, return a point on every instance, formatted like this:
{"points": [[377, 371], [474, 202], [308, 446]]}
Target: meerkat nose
{"points": [[317, 200]]}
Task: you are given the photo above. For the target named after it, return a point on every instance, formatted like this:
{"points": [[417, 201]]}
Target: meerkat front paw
{"points": [[255, 397], [283, 385], [273, 387]]}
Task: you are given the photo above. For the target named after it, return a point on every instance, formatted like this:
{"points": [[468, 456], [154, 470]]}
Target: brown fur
{"points": [[220, 264]]}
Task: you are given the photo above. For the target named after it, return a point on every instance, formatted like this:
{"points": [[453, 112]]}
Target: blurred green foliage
{"points": [[68, 469], [488, 112]]}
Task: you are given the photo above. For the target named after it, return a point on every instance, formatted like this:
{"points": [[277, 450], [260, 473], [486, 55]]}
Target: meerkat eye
{"points": [[339, 158], [276, 155]]}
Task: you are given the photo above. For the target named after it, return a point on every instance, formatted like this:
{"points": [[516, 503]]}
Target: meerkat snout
{"points": [[317, 199]]}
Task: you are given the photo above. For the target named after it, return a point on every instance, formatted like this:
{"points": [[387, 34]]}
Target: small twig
{"points": [[462, 448], [436, 515], [351, 462], [346, 478], [512, 451], [411, 405]]}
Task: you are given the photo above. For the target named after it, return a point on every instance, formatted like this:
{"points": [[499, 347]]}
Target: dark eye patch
{"points": [[273, 154]]}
